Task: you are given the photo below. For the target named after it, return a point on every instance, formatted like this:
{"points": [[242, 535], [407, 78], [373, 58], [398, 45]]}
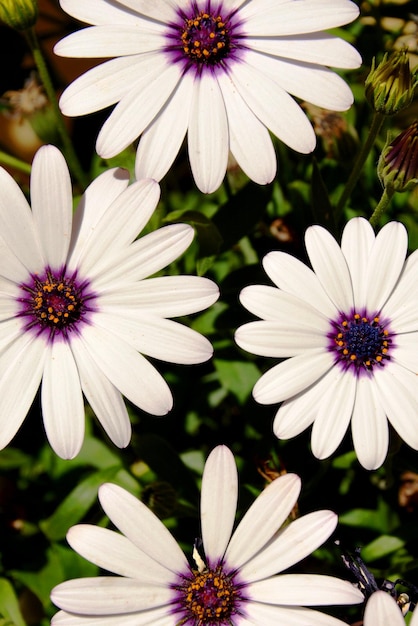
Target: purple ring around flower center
{"points": [[360, 341], [55, 303], [211, 596], [205, 38]]}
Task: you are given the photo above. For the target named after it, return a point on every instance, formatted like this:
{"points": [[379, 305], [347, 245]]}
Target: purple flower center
{"points": [[208, 597], [205, 38], [360, 342], [55, 303]]}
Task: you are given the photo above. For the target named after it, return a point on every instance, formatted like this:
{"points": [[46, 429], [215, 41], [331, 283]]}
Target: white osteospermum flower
{"points": [[382, 610], [75, 311], [233, 584], [221, 71], [350, 327]]}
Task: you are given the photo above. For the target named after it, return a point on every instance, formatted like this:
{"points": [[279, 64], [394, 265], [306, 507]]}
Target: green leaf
{"points": [[9, 605], [75, 506], [380, 547], [238, 377]]}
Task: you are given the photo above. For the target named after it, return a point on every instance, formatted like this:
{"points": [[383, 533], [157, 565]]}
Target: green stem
{"points": [[360, 161], [7, 159], [384, 201], [70, 155]]}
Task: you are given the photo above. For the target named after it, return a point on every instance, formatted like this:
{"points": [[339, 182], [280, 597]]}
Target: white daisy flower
{"points": [[351, 328], [383, 610], [221, 71], [232, 583], [75, 311]]}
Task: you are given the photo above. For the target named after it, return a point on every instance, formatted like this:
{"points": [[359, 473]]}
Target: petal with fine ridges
{"points": [[139, 106], [208, 137], [292, 376], [128, 370], [267, 514], [62, 401], [19, 232], [369, 425], [249, 139], [115, 553], [330, 266], [103, 397], [161, 140], [291, 544], [217, 513], [142, 527], [386, 262], [52, 204]]}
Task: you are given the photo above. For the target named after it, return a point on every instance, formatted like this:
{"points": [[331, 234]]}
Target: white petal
{"points": [[124, 219], [52, 204], [369, 425], [115, 553], [356, 244], [319, 48], [381, 610], [161, 10], [276, 339], [296, 278], [103, 85], [95, 201], [305, 590], [297, 413], [249, 139], [398, 391], [11, 267], [208, 138], [142, 527], [406, 351], [273, 106], [161, 140], [387, 259], [277, 305], [292, 544], [266, 514], [268, 18], [159, 338], [401, 305], [269, 615], [165, 296], [103, 397], [100, 12], [21, 369], [128, 370], [62, 401], [16, 224], [139, 106], [145, 618], [334, 414], [111, 40], [313, 83], [292, 376], [145, 256], [110, 595], [330, 266], [218, 503]]}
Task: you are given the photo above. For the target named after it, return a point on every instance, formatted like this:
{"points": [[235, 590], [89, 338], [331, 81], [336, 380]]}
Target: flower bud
{"points": [[390, 85], [19, 14], [398, 163]]}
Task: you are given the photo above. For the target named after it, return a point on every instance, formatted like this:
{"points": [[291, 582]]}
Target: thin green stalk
{"points": [[375, 127], [384, 201], [70, 155], [7, 159]]}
